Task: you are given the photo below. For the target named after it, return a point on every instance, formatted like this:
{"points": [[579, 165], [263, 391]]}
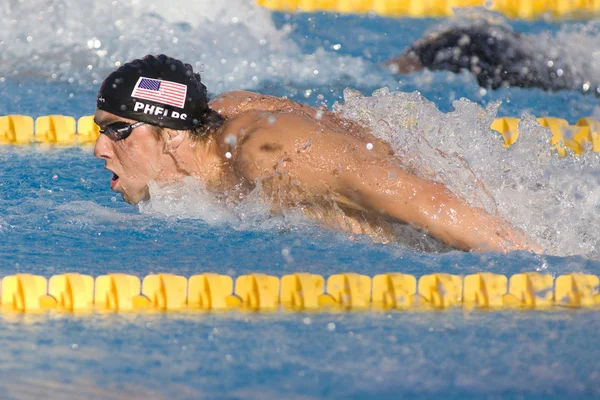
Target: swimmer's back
{"points": [[270, 138]]}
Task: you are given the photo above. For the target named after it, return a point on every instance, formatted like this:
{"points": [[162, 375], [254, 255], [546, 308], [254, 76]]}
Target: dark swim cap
{"points": [[159, 90]]}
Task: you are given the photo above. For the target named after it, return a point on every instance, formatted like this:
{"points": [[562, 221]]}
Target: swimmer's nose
{"points": [[102, 149]]}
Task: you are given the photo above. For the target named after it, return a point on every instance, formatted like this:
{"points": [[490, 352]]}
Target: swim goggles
{"points": [[120, 130]]}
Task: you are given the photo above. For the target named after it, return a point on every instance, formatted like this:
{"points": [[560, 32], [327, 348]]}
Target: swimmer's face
{"points": [[134, 161]]}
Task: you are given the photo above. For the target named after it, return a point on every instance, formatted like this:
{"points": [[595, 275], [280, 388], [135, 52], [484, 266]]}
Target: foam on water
{"points": [[49, 226], [233, 44], [236, 44], [189, 199], [90, 213], [572, 46], [556, 201], [574, 50]]}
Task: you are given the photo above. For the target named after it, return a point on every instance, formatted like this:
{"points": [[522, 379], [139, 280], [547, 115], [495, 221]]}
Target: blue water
{"points": [[58, 215]]}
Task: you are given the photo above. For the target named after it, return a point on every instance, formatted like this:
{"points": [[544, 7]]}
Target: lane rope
{"points": [[209, 292], [64, 130], [523, 9]]}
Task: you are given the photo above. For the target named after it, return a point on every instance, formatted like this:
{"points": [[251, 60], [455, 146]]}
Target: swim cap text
{"points": [[159, 111]]}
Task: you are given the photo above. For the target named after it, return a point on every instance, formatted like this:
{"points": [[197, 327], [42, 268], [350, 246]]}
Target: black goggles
{"points": [[120, 130]]}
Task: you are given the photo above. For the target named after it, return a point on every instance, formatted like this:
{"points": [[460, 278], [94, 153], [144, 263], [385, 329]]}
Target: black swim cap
{"points": [[159, 90]]}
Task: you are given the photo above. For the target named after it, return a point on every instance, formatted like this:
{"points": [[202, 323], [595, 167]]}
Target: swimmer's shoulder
{"points": [[257, 142], [257, 125], [280, 133], [226, 102], [237, 102]]}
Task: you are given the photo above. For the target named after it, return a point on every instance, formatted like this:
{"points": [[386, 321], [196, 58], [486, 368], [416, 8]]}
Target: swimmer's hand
{"points": [[511, 238], [499, 235]]}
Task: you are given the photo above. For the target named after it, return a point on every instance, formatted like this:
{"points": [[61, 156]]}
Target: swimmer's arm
{"points": [[334, 164], [433, 208], [234, 103]]}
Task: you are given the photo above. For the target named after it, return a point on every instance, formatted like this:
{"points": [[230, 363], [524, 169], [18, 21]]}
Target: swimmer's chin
{"points": [[126, 199], [135, 200]]}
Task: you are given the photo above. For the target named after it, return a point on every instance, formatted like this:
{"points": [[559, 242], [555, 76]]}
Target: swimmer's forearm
{"points": [[434, 209], [471, 228], [453, 221]]}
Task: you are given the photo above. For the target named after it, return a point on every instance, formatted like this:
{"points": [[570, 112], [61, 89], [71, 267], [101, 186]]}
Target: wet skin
{"points": [[334, 170]]}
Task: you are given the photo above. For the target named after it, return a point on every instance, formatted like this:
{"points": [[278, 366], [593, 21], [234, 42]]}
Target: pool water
{"points": [[57, 214]]}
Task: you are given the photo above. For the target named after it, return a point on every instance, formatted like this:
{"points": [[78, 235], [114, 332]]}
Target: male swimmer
{"points": [[157, 124], [496, 55]]}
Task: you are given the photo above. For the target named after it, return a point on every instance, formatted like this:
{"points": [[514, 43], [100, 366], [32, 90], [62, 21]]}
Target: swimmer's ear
{"points": [[173, 138]]}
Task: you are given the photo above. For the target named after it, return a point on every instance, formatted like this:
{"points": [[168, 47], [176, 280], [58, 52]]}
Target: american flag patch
{"points": [[165, 92]]}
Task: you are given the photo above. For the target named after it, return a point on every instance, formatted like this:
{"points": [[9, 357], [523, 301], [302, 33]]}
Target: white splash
{"points": [[187, 199], [574, 47], [234, 44], [90, 213], [556, 201], [4, 226]]}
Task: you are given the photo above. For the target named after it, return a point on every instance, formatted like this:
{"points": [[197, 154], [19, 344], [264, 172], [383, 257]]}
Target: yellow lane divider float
{"points": [[49, 129], [208, 292], [586, 132], [62, 130], [526, 9]]}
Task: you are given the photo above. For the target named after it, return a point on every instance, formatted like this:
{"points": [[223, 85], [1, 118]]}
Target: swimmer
{"points": [[496, 55], [157, 124]]}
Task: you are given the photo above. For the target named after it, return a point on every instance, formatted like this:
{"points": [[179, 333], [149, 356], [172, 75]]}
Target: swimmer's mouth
{"points": [[114, 180]]}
